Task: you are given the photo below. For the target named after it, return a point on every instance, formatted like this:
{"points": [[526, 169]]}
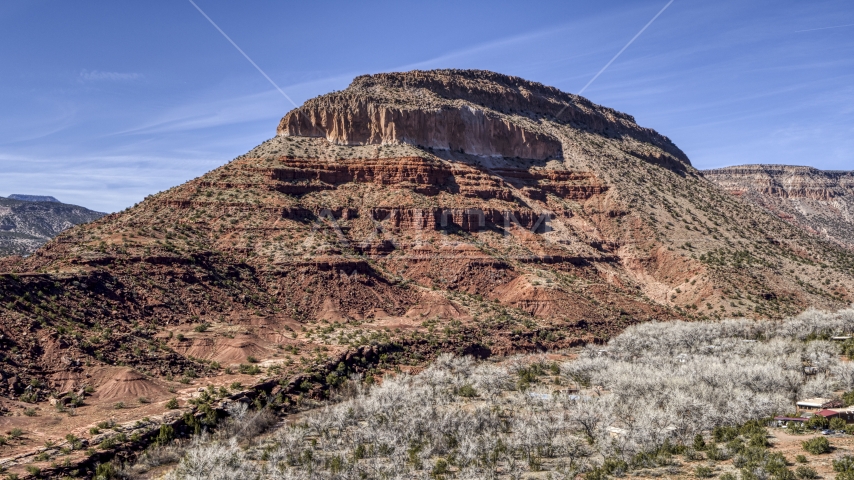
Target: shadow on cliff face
{"points": [[481, 161], [664, 161]]}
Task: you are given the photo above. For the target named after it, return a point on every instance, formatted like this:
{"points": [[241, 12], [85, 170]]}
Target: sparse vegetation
{"points": [[817, 445], [518, 420]]}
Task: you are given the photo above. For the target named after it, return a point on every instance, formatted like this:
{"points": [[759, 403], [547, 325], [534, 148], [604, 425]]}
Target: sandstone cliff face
{"points": [[822, 202], [463, 129], [475, 112]]}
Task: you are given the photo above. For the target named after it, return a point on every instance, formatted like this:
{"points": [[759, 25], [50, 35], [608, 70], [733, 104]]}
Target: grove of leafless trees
{"points": [[655, 384]]}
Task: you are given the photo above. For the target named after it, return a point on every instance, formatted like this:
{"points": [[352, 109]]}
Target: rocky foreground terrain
{"points": [[822, 202], [410, 214], [28, 222]]}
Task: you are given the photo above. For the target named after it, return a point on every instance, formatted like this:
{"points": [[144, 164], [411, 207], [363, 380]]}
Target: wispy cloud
{"points": [[99, 76], [213, 109], [472, 51], [623, 49], [100, 181], [824, 28]]}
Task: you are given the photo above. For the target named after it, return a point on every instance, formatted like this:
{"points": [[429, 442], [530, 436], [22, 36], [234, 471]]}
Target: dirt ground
{"points": [[123, 397]]}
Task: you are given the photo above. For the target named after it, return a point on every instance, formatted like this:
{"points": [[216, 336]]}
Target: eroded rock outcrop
{"points": [[459, 129], [471, 111], [820, 201]]}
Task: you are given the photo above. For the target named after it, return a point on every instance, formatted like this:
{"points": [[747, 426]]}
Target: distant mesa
{"points": [[33, 198], [819, 201]]}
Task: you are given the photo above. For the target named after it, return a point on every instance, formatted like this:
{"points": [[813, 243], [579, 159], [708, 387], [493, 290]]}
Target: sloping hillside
{"points": [[462, 211]]}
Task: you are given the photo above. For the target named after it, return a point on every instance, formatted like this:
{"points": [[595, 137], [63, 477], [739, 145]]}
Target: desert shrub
{"points": [[467, 391], [249, 369], [759, 440], [704, 472], [156, 456], [16, 433], [837, 424], [31, 412], [73, 441], [614, 466], [441, 467], [844, 463], [801, 458], [816, 422], [724, 434], [105, 471], [29, 397], [692, 455], [108, 443], [804, 472], [735, 446], [847, 475], [844, 467], [752, 428], [165, 435], [816, 446], [699, 443], [172, 403], [713, 452]]}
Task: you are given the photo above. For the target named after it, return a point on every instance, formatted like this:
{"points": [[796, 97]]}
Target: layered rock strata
{"points": [[820, 201]]}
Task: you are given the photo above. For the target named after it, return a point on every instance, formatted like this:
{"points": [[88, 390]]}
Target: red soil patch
{"points": [[125, 383], [225, 350]]}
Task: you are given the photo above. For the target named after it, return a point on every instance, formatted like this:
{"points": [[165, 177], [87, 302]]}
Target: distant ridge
{"points": [[819, 201], [33, 198], [28, 221]]}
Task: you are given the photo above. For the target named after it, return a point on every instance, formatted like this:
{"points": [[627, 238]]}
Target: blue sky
{"points": [[106, 102]]}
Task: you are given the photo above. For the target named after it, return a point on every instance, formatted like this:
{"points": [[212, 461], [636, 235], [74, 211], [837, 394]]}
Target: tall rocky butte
{"points": [[451, 210]]}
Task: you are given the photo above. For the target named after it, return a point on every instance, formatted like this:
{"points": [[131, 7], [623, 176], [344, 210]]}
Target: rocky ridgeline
{"points": [[468, 111], [28, 221], [820, 201]]}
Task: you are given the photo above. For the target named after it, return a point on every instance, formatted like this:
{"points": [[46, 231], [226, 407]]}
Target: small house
{"points": [[816, 404], [783, 420], [846, 414]]}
